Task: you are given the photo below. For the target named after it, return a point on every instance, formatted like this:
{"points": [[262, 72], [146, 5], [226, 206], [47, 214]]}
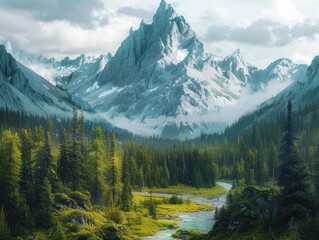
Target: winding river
{"points": [[202, 221]]}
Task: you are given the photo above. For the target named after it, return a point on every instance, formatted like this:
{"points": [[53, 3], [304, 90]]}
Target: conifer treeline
{"points": [[35, 163]]}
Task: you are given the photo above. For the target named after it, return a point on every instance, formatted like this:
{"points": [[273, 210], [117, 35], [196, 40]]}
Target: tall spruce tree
{"points": [[45, 216], [57, 232], [126, 195], [64, 165], [295, 199], [43, 166], [27, 183], [97, 166], [114, 174], [17, 212], [78, 170], [10, 170], [5, 233]]}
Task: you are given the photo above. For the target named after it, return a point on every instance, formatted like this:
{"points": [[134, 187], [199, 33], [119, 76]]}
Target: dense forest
{"points": [[273, 167], [54, 158]]}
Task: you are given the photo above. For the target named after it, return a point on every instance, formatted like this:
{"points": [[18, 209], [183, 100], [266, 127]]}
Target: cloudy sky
{"points": [[264, 30]]}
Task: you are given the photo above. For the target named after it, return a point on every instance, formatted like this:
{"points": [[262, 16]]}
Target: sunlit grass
{"points": [[187, 190]]}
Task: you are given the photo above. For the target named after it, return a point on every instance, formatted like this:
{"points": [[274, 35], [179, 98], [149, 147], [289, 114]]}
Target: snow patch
{"points": [[108, 92], [95, 86]]}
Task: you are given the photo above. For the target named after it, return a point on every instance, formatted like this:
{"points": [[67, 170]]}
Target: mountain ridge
{"points": [[162, 78]]}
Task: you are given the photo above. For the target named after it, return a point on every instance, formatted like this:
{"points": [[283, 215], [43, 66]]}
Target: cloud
{"points": [[257, 33], [263, 33], [217, 14], [217, 33], [135, 12], [77, 12], [61, 38]]}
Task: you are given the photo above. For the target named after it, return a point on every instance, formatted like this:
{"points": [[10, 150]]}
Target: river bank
{"points": [[201, 221]]}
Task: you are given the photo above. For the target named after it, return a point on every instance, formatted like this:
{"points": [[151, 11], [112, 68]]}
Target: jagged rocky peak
{"points": [[235, 65], [168, 40], [8, 46], [7, 63], [164, 13], [313, 69]]}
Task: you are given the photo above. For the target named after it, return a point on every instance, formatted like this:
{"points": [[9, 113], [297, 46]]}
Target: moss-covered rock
{"points": [[110, 231], [189, 235], [82, 201]]}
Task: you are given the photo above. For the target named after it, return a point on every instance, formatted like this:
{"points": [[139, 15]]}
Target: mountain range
{"points": [[160, 81]]}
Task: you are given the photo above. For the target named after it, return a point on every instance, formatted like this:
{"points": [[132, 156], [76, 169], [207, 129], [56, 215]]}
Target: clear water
{"points": [[199, 221]]}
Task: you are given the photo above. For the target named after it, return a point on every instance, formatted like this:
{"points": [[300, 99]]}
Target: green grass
{"points": [[137, 223], [187, 190]]}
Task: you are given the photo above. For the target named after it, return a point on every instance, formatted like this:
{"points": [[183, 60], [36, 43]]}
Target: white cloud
{"points": [[283, 11], [61, 37], [217, 13]]}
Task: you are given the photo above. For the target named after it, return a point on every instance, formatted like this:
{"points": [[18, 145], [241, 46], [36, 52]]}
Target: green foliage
{"points": [[10, 170], [249, 208], [80, 198], [115, 215], [296, 196], [57, 232], [113, 173], [5, 233], [27, 181], [175, 200], [126, 197], [152, 209], [184, 234], [45, 216], [110, 232], [97, 167]]}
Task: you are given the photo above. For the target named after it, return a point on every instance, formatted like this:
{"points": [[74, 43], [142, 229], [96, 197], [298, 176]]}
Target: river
{"points": [[202, 221]]}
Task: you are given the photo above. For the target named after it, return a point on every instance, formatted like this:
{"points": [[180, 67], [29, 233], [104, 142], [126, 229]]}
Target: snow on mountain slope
{"points": [[84, 73], [161, 80], [302, 92], [24, 90], [66, 73], [160, 70], [281, 70], [235, 68]]}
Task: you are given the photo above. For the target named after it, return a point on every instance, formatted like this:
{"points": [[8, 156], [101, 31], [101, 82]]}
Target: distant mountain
{"points": [[66, 73], [162, 81], [23, 90], [303, 93], [235, 68]]}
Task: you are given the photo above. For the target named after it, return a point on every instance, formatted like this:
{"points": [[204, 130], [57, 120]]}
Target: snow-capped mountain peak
{"points": [[236, 68], [164, 13]]}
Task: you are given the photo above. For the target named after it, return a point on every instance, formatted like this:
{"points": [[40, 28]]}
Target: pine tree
{"points": [[114, 177], [45, 217], [78, 169], [295, 198], [50, 130], [5, 233], [57, 232], [64, 165], [43, 166], [27, 183], [97, 166], [10, 169], [126, 197]]}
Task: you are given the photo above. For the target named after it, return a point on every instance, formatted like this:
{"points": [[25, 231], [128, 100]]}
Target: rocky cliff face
{"points": [[23, 90]]}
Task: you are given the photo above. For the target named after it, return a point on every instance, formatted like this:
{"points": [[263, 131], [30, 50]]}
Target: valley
{"points": [[162, 138]]}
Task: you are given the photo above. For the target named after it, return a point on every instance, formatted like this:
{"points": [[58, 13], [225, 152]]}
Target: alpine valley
{"points": [[162, 140]]}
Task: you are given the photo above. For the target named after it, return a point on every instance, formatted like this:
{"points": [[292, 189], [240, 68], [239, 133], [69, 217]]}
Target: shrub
{"points": [[115, 215]]}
